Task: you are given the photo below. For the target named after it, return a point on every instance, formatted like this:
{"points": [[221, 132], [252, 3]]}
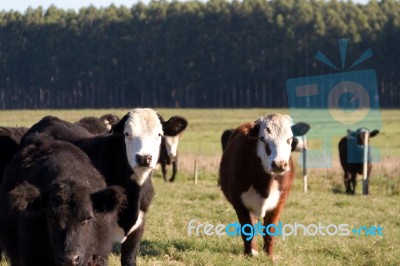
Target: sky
{"points": [[22, 5]]}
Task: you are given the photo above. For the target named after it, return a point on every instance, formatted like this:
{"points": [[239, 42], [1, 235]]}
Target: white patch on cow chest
{"points": [[119, 234], [140, 175], [258, 205]]}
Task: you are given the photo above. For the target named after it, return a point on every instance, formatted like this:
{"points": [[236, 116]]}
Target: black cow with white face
{"points": [[126, 157], [169, 146], [55, 208]]}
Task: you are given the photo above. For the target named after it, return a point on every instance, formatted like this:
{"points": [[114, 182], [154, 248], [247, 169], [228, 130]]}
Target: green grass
{"points": [[166, 240]]}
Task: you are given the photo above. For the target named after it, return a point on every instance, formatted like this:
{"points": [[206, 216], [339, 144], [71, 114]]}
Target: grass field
{"points": [[166, 240]]}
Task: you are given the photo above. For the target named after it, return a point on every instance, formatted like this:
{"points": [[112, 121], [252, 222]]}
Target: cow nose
{"points": [[71, 259], [143, 160], [279, 166]]}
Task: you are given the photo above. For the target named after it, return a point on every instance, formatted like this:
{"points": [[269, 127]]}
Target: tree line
{"points": [[192, 54]]}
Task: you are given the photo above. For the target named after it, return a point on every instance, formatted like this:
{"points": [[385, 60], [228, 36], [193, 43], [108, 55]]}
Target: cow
{"points": [[169, 147], [55, 207], [97, 125], [256, 172], [351, 155], [126, 156]]}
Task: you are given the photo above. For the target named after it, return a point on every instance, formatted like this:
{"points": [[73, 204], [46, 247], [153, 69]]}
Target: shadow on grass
{"points": [[337, 189], [152, 248]]}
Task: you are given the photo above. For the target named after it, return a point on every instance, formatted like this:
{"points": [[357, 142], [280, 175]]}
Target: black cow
{"points": [[97, 125], [55, 208], [169, 147], [351, 154], [126, 156]]}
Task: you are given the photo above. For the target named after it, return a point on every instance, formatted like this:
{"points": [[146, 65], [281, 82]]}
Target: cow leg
{"points": [[250, 247], [347, 181], [272, 217], [353, 182], [174, 170], [164, 171], [130, 247]]}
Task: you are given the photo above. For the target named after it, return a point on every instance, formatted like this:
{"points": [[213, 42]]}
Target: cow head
{"points": [[172, 131], [275, 134], [109, 120], [72, 213], [361, 134], [143, 130]]}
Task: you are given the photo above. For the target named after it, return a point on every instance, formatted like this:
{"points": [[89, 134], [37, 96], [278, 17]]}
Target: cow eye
{"points": [[87, 220], [268, 130], [289, 141]]}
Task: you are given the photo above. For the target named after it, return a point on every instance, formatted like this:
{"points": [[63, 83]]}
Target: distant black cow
{"points": [[55, 208], [97, 125], [351, 153], [169, 147], [126, 156], [9, 141]]}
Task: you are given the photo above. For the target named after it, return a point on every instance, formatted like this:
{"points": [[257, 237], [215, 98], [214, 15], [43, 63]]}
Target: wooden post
{"points": [[195, 173], [305, 181], [365, 166]]}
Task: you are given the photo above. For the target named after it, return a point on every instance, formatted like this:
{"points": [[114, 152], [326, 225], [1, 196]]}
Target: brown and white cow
{"points": [[256, 171]]}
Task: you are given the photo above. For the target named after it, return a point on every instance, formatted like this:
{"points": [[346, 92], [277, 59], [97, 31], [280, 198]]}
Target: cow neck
{"points": [[263, 184], [108, 155], [130, 213]]}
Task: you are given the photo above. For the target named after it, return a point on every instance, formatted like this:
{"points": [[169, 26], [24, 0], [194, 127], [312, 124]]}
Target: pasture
{"points": [[166, 240]]}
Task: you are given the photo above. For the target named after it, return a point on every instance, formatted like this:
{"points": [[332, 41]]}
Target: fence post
{"points": [[305, 181], [365, 166], [195, 173]]}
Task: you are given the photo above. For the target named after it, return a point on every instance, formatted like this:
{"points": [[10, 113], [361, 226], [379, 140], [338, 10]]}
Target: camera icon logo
{"points": [[334, 103]]}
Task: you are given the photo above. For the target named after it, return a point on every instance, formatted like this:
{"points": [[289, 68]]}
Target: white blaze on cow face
{"points": [[143, 132], [274, 144], [171, 144]]}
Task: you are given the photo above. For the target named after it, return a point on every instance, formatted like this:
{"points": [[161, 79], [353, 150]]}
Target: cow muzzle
{"points": [[279, 167], [143, 160], [69, 259]]}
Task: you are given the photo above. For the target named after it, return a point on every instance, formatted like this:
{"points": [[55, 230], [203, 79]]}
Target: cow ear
{"points": [[110, 118], [28, 198], [300, 129], [110, 199], [174, 125], [120, 126], [254, 132], [374, 133]]}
